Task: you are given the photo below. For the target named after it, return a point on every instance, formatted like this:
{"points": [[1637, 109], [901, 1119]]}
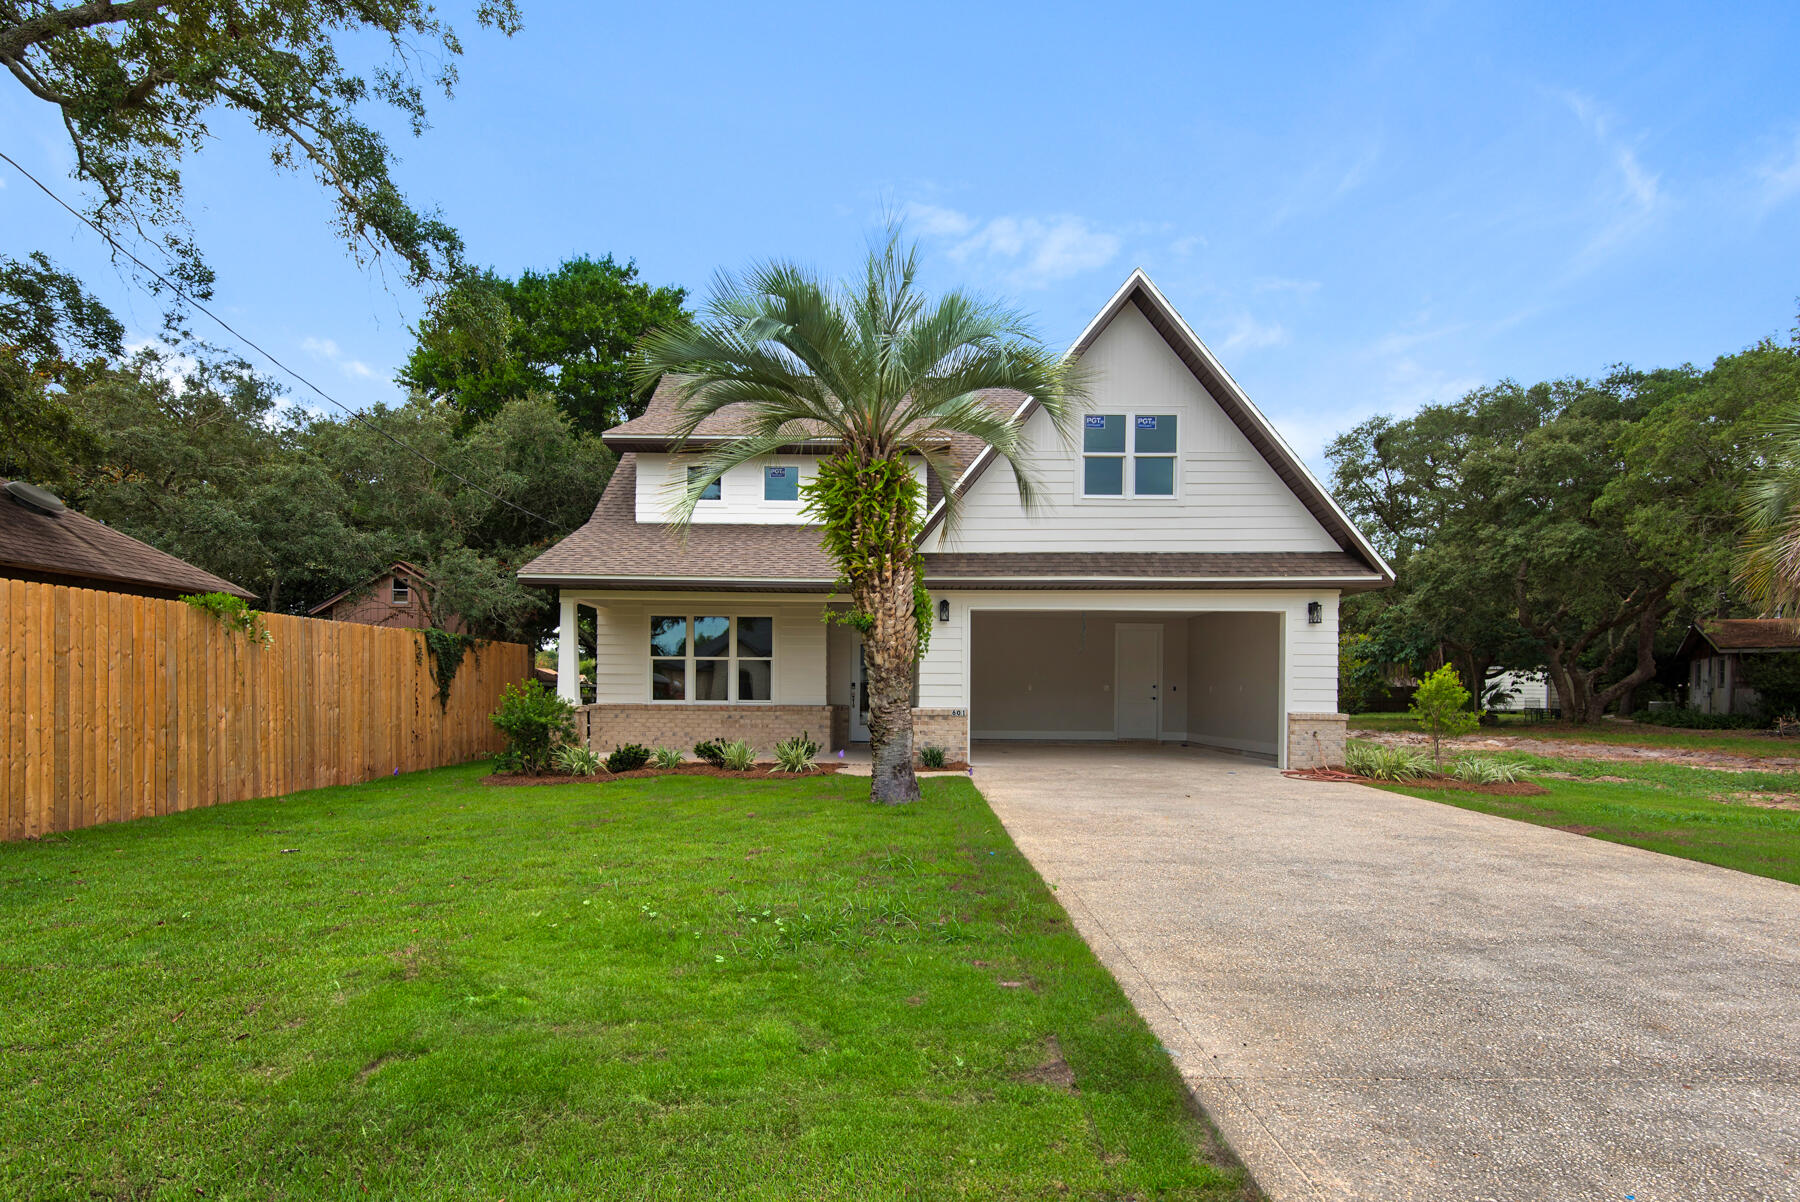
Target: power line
{"points": [[227, 327]]}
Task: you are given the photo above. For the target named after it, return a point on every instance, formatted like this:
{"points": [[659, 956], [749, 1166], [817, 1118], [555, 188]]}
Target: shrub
{"points": [[666, 757], [628, 758], [798, 754], [1438, 707], [1478, 770], [1376, 762], [572, 759], [1688, 719], [712, 751], [738, 756], [932, 756], [534, 720]]}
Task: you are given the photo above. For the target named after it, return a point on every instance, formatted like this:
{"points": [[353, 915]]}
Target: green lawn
{"points": [[1688, 812], [426, 987], [1617, 733]]}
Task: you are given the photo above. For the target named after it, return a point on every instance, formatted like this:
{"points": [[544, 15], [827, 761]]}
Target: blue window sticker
{"points": [[1146, 423], [1096, 421]]}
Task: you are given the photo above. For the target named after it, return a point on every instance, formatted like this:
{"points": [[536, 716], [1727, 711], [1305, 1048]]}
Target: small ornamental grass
{"points": [[931, 756], [798, 754], [737, 755], [1376, 762], [667, 757], [1478, 770], [573, 760]]}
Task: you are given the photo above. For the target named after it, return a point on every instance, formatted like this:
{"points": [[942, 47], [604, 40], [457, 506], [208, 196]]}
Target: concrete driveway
{"points": [[1383, 998]]}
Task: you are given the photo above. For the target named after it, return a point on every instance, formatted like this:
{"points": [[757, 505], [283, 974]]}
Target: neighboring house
{"points": [[1715, 653], [1179, 582], [399, 595], [1521, 691], [43, 540]]}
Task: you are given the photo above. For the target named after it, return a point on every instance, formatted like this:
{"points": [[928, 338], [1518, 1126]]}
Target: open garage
{"points": [[1208, 678]]}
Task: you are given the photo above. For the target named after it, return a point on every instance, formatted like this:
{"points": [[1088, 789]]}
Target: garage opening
{"points": [[1210, 678]]}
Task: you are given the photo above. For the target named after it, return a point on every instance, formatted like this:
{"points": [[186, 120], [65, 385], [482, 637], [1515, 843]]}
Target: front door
{"points": [[1137, 681], [859, 692]]}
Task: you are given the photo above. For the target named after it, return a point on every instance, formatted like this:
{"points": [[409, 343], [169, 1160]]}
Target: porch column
{"points": [[568, 653]]}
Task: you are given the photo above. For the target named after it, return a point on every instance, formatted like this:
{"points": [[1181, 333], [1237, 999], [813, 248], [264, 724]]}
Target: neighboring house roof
{"points": [[398, 568], [70, 548], [1722, 635]]}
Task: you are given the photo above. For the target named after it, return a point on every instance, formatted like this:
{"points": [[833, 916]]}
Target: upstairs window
{"points": [[1128, 454], [402, 592], [712, 492], [781, 482], [704, 657]]}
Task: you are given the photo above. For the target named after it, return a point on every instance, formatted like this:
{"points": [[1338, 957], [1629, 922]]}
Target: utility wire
{"points": [[226, 326]]}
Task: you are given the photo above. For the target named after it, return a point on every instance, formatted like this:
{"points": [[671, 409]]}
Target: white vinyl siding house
{"points": [[1179, 581]]}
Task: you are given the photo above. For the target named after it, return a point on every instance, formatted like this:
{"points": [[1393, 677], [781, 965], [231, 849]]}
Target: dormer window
{"points": [[1128, 455], [402, 594], [712, 492]]}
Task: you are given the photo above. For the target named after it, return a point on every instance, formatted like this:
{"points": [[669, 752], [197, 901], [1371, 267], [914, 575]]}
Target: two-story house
{"points": [[1178, 581]]}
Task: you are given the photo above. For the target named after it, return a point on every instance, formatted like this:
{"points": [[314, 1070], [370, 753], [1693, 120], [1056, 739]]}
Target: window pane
{"points": [[753, 679], [781, 484], [1155, 433], [1104, 477], [711, 678], [1103, 432], [756, 636], [668, 679], [1154, 477], [712, 492], [668, 636], [712, 636]]}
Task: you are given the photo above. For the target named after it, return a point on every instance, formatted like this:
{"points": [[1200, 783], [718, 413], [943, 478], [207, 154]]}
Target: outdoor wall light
{"points": [[1315, 613], [943, 611]]}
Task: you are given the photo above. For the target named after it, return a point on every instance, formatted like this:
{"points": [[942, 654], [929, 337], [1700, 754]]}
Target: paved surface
{"points": [[1382, 998]]}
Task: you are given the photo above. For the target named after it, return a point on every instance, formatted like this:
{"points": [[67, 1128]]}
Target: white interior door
{"points": [[1137, 681], [859, 691]]}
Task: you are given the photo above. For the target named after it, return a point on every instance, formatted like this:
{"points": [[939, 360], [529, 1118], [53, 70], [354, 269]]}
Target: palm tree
{"points": [[885, 374], [1770, 567]]}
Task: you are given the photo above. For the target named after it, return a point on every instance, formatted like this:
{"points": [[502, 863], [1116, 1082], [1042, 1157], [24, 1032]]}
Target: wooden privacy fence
{"points": [[122, 707]]}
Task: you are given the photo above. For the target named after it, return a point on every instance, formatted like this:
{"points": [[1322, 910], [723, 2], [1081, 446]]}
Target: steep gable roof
{"points": [[1741, 634], [1139, 291]]}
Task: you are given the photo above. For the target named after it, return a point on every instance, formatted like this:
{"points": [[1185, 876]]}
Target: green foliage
{"points": [[932, 756], [535, 722], [710, 751], [667, 757], [627, 758], [1376, 762], [446, 656], [233, 613], [1480, 770], [572, 759], [868, 516], [1776, 679], [737, 755], [1682, 718], [136, 87], [798, 754], [1440, 707], [566, 334]]}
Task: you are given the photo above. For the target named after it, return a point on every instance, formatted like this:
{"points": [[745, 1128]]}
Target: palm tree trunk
{"points": [[891, 644]]}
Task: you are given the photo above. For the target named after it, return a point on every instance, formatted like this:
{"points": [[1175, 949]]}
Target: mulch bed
{"points": [[760, 772], [1517, 788]]}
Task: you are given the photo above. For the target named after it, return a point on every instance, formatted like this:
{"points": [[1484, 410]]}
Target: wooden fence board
{"points": [[122, 707]]}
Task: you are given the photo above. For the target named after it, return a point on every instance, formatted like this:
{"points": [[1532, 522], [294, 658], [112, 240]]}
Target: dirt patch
{"points": [[1767, 801], [1054, 1071], [760, 772], [1577, 749]]}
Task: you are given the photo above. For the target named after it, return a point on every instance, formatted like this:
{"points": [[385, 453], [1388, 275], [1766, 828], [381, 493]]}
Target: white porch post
{"points": [[568, 653]]}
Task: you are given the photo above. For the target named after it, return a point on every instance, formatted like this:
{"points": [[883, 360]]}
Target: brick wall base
{"points": [[605, 726], [946, 728], [1316, 740]]}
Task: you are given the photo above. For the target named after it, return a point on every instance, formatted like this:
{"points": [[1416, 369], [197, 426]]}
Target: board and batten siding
{"points": [[622, 640], [1227, 497], [660, 479]]}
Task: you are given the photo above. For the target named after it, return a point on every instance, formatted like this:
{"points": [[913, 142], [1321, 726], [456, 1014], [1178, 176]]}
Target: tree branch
{"points": [[46, 25]]}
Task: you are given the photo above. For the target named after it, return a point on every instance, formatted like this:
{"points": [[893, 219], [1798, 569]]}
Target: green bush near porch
{"points": [[681, 987]]}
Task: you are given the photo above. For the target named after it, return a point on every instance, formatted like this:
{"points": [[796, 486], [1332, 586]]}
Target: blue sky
{"points": [[1360, 211]]}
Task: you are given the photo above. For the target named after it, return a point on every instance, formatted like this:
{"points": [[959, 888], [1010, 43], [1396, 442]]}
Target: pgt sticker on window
{"points": [[1146, 423], [1096, 421], [778, 473]]}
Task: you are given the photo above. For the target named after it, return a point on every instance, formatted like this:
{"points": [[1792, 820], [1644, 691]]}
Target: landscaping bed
{"points": [[684, 987], [760, 772]]}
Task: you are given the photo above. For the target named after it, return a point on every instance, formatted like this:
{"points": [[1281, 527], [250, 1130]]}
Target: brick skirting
{"points": [[1316, 740], [607, 725], [946, 728]]}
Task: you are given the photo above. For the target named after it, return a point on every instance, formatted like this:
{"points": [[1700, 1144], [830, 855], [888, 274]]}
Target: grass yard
{"points": [[426, 987], [1624, 734], [1690, 812]]}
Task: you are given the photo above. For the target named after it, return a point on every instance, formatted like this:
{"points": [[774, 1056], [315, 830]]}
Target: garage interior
{"points": [[1068, 675]]}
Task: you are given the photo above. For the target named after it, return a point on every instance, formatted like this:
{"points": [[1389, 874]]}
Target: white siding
{"points": [[660, 479], [1227, 496], [622, 643]]}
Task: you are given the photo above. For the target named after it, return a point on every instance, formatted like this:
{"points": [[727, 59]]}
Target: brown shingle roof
{"points": [[72, 548], [1752, 634]]}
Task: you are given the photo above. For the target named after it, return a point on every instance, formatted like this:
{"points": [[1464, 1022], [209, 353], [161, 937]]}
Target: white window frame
{"points": [[763, 478], [1128, 461], [718, 500], [731, 658], [399, 592]]}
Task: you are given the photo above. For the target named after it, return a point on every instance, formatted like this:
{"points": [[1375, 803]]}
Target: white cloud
{"points": [[327, 349], [1779, 176], [173, 369], [1186, 245], [1028, 251], [1634, 197], [1276, 283], [1248, 334]]}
